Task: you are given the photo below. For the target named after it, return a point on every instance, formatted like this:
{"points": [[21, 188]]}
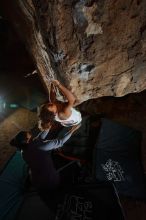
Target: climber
{"points": [[63, 112]]}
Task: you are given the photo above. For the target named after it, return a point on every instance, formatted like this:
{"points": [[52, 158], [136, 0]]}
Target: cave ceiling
{"points": [[97, 48]]}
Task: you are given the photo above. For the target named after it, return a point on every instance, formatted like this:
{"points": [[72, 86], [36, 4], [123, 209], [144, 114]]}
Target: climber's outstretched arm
{"points": [[52, 94], [69, 96]]}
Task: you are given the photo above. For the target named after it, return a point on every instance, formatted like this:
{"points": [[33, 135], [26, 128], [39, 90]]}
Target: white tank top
{"points": [[74, 119]]}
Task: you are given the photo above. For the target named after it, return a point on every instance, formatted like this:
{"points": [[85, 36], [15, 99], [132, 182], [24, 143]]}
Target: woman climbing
{"points": [[63, 112]]}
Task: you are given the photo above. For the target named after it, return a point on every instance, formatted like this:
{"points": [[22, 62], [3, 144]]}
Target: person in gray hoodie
{"points": [[35, 152]]}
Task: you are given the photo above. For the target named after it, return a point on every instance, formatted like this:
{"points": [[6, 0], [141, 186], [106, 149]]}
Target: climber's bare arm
{"points": [[69, 96], [52, 94]]}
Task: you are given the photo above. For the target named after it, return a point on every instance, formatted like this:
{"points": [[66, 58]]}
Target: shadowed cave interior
{"points": [[21, 92]]}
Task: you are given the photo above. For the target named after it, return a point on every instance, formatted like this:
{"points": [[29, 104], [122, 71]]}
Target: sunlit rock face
{"points": [[97, 48]]}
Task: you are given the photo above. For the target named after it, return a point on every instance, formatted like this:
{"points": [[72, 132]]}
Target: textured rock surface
{"points": [[10, 125], [96, 47]]}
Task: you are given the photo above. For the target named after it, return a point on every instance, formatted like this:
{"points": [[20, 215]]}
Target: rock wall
{"points": [[96, 47], [10, 125]]}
